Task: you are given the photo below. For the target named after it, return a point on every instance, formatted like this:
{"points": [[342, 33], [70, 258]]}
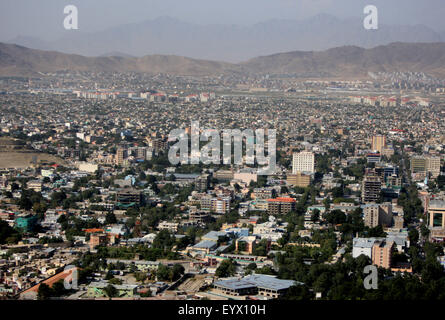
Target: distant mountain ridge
{"points": [[355, 61], [346, 61], [18, 60], [232, 43]]}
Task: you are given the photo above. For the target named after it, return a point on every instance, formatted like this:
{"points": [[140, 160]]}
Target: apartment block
{"points": [[299, 180], [303, 162], [279, 206], [381, 254]]}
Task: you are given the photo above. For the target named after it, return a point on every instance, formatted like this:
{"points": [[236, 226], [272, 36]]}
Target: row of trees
{"points": [[8, 234]]}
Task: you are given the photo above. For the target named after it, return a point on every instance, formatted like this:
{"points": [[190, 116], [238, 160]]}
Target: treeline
{"points": [[8, 234], [344, 280]]}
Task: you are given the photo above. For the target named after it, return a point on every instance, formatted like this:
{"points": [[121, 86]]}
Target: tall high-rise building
{"points": [[433, 166], [418, 164], [202, 182], [378, 143], [121, 155], [426, 164], [141, 153], [303, 162], [381, 254], [436, 218], [219, 205], [378, 214], [371, 188]]}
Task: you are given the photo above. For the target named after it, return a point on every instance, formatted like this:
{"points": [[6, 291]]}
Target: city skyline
{"points": [[184, 160]]}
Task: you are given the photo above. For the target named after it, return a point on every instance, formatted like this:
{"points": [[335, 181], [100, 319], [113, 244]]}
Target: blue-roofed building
{"points": [[237, 232], [204, 247], [256, 284], [213, 235]]}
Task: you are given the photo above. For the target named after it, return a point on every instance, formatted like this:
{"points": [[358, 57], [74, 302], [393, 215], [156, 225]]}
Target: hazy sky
{"points": [[44, 18]]}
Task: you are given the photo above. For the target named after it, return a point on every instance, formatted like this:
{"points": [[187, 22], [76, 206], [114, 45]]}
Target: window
{"points": [[437, 220]]}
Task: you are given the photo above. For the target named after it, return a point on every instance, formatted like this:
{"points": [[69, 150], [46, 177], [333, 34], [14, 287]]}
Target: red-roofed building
{"points": [[31, 293]]}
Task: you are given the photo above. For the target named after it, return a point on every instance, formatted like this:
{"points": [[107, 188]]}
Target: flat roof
{"points": [[101, 285], [282, 200], [437, 204], [365, 242], [206, 244], [234, 284], [213, 235], [256, 281]]}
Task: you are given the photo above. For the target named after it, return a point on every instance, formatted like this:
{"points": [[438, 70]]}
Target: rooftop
{"points": [[206, 244], [282, 200], [256, 280], [437, 204]]}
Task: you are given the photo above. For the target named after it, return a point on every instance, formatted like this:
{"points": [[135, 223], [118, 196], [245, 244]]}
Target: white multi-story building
{"points": [[303, 162]]}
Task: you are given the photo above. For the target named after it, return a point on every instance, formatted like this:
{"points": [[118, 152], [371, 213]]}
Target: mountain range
{"points": [[232, 43], [339, 62]]}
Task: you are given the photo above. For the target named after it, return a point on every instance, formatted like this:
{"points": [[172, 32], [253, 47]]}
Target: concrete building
{"points": [[279, 206], [303, 162], [202, 183], [199, 217], [378, 143], [425, 165], [170, 226], [418, 164], [121, 155], [219, 205], [224, 175], [299, 180], [204, 247], [433, 166], [263, 193], [378, 214], [35, 185], [245, 244], [97, 289], [381, 253], [97, 239], [363, 246], [32, 293], [371, 188], [256, 284], [127, 196], [398, 222], [436, 219]]}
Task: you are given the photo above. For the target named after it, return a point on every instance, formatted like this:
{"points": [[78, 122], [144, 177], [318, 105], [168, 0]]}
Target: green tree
{"points": [[111, 291], [110, 218], [315, 216], [8, 234], [44, 292], [226, 269]]}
